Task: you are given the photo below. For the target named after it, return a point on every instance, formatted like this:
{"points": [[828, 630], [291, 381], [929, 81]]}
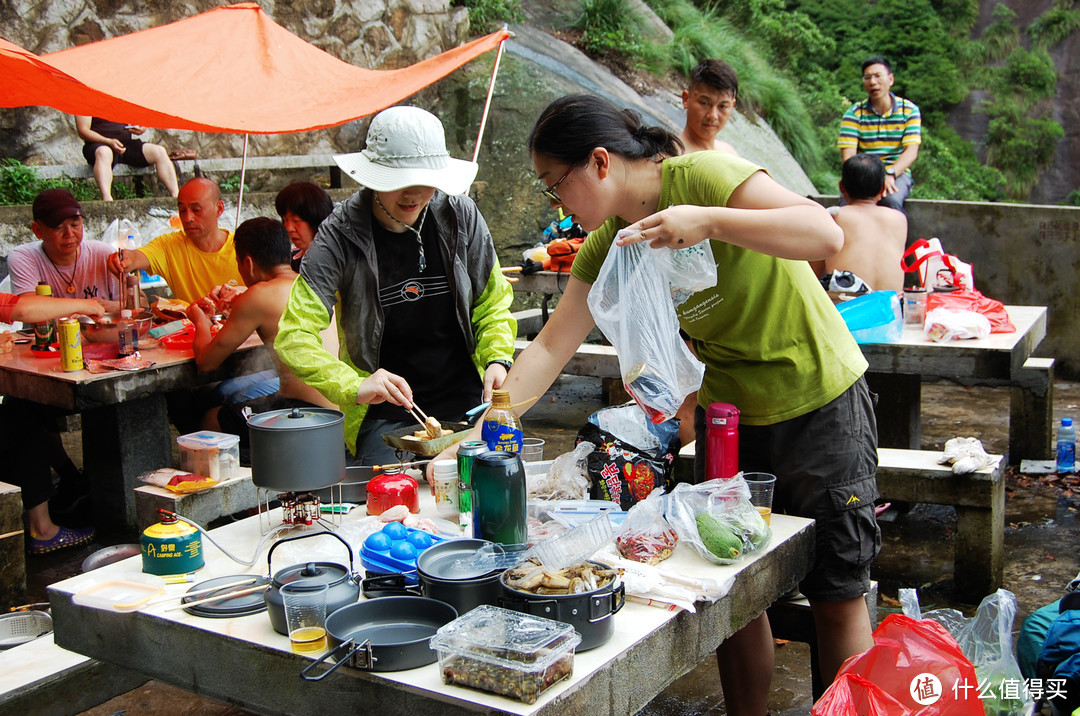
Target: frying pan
{"points": [[426, 447], [388, 634]]}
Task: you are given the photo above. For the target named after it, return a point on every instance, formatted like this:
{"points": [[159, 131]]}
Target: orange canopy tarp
{"points": [[231, 69]]}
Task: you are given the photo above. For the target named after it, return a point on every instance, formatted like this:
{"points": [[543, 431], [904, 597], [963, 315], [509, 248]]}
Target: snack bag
{"points": [[646, 536], [629, 460], [717, 519]]}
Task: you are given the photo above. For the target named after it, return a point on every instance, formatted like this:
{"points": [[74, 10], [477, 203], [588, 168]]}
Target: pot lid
{"points": [[312, 574], [450, 560], [296, 418], [240, 606]]}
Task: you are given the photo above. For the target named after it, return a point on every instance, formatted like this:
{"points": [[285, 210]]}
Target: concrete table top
{"points": [[243, 661]]}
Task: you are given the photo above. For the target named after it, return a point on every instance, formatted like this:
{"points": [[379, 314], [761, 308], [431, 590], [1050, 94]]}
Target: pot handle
{"points": [[274, 546], [605, 605], [394, 583], [347, 644]]}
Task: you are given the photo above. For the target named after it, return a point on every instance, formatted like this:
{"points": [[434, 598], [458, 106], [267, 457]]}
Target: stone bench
{"points": [[792, 620], [979, 499], [197, 167], [223, 499], [12, 548]]}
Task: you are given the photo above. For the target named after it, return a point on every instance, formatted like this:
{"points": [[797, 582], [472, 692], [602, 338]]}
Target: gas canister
{"points": [[171, 546]]}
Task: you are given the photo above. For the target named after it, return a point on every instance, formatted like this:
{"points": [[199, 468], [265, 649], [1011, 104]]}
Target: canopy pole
{"points": [[243, 168], [487, 102]]}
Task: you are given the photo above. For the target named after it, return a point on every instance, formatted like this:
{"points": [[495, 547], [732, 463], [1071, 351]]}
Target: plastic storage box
{"points": [[210, 454], [506, 652]]}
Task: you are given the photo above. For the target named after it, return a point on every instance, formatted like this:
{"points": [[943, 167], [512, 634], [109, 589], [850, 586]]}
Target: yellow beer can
{"points": [[70, 339]]}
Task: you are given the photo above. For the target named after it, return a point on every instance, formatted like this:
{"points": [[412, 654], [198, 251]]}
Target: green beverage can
{"points": [[466, 454]]}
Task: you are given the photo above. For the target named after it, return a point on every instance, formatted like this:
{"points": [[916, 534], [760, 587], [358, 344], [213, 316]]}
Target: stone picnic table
{"points": [[125, 424], [243, 661]]}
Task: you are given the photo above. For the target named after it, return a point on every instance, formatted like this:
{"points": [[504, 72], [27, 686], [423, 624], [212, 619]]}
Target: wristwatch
{"points": [[891, 172], [504, 363]]}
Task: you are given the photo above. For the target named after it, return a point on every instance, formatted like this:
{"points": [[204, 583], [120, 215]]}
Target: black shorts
{"points": [[825, 464], [132, 156]]}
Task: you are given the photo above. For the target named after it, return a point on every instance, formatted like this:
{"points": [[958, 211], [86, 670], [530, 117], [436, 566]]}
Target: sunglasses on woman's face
{"points": [[550, 193]]}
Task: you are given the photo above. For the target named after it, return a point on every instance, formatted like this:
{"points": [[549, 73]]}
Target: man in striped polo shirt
{"points": [[886, 126]]}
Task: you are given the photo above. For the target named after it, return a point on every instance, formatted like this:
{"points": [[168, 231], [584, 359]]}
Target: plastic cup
{"points": [[444, 484], [532, 449], [761, 486], [305, 616]]}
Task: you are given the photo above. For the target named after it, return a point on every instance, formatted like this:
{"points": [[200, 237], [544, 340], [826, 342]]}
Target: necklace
{"points": [[419, 240], [74, 269]]}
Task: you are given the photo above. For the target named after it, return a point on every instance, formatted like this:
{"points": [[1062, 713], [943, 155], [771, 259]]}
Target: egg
{"points": [[420, 540], [395, 530], [403, 550], [378, 542]]}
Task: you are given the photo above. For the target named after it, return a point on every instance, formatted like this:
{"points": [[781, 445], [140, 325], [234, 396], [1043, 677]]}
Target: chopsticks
{"points": [[511, 269], [228, 595], [237, 583], [433, 427]]}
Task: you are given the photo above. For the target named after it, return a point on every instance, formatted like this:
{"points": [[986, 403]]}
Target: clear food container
{"points": [[210, 454], [506, 652]]}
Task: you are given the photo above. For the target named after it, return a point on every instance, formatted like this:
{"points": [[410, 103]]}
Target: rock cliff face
{"points": [[1064, 174]]}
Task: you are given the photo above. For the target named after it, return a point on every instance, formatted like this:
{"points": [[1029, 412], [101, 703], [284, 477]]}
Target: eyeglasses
{"points": [[875, 76], [550, 193]]}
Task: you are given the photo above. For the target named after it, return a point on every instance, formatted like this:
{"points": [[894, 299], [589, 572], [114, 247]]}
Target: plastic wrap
{"points": [[694, 509]]}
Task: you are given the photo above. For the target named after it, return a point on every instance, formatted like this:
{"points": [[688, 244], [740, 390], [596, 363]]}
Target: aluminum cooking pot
{"points": [[441, 577], [390, 634], [342, 584], [297, 449]]}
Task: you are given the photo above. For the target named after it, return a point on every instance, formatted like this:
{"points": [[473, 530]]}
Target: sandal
{"points": [[65, 538]]}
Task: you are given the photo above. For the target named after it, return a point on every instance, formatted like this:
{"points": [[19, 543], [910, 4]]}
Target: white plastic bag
{"points": [[726, 502], [945, 324], [631, 305], [986, 640], [122, 234]]}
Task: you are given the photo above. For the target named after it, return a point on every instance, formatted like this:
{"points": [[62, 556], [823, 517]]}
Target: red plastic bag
{"points": [[851, 694], [974, 301], [916, 663]]}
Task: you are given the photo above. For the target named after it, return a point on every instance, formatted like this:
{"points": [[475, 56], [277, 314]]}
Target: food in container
{"points": [[386, 491], [505, 652], [211, 454]]}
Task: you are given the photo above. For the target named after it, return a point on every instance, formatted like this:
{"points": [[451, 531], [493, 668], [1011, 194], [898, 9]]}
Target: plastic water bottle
{"points": [[1066, 446]]}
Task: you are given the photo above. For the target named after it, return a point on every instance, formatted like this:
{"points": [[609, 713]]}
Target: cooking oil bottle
{"points": [[502, 427]]}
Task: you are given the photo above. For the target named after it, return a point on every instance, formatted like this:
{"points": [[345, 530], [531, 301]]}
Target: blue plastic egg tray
{"points": [[395, 548]]}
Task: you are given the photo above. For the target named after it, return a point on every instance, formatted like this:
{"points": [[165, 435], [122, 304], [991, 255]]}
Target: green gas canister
{"points": [[172, 546]]}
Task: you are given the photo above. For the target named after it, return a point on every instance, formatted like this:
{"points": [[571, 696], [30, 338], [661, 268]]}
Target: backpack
{"points": [[1060, 657]]}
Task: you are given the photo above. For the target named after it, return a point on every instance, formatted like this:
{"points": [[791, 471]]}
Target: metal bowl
{"points": [[104, 329], [108, 555]]}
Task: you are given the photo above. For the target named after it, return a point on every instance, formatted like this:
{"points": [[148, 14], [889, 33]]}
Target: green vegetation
{"points": [[19, 184], [799, 67], [231, 184], [486, 16]]}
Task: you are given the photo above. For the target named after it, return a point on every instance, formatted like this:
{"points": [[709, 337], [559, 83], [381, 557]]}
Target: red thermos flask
{"points": [[721, 441]]}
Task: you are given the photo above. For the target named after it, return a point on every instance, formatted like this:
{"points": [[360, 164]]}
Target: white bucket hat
{"points": [[406, 146]]}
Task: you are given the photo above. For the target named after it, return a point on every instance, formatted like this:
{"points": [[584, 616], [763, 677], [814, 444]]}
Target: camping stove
{"points": [[297, 509]]}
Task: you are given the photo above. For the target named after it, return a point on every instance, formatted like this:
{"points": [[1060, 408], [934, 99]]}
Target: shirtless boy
{"points": [[709, 102], [263, 259]]}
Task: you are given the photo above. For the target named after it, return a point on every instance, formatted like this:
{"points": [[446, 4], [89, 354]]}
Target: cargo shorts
{"points": [[825, 464]]}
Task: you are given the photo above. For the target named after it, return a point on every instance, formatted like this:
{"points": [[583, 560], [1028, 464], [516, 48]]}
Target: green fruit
{"points": [[718, 538]]}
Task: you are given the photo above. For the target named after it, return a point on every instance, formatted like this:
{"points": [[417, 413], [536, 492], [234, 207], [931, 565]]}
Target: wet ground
{"points": [[1042, 542]]}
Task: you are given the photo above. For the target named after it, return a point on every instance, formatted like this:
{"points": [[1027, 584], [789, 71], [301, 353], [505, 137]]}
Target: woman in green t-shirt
{"points": [[771, 341]]}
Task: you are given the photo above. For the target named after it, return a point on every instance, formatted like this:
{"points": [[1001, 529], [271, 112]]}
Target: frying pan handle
{"points": [[347, 644], [328, 533], [393, 583]]}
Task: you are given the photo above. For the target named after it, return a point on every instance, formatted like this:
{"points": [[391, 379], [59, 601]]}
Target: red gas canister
{"points": [[721, 441]]}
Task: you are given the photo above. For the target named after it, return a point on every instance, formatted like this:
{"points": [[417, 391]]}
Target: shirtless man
{"points": [[874, 236], [709, 102], [263, 260]]}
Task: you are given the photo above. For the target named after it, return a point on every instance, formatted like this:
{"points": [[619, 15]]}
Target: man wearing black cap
{"points": [[73, 268]]}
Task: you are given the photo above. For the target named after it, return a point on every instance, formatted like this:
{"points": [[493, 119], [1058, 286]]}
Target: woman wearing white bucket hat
{"points": [[409, 263]]}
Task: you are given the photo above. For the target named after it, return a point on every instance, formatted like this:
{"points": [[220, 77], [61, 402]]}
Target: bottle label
{"points": [[1066, 455], [504, 438]]}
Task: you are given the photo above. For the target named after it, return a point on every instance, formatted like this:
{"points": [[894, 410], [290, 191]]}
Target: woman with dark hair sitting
{"points": [[302, 206]]}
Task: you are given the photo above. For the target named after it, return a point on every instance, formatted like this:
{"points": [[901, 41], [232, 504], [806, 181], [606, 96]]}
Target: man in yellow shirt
{"points": [[195, 260]]}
